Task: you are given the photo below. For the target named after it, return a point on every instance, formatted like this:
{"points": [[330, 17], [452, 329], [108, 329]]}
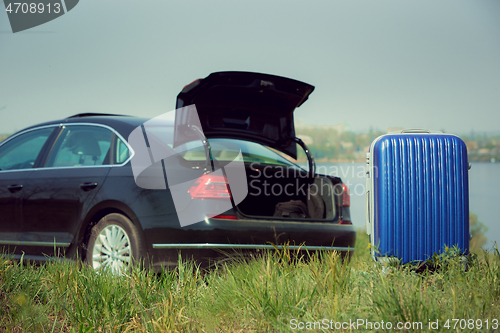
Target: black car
{"points": [[67, 187]]}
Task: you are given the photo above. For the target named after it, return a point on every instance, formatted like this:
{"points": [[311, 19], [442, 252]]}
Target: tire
{"points": [[115, 244]]}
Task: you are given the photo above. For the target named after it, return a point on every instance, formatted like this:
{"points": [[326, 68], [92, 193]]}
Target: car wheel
{"points": [[115, 244]]}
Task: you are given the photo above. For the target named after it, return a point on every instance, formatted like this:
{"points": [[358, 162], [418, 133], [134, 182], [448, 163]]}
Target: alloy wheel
{"points": [[112, 250]]}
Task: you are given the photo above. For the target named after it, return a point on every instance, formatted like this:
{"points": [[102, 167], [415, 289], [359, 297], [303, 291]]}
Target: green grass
{"points": [[262, 295]]}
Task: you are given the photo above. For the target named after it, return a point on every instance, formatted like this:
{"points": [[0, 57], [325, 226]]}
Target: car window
{"points": [[81, 146], [251, 152], [222, 149], [301, 160], [22, 151], [122, 151]]}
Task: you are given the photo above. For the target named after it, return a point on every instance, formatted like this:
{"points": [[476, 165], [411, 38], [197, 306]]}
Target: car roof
{"points": [[122, 123]]}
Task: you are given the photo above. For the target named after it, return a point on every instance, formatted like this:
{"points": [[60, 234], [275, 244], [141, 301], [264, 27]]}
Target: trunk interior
{"points": [[270, 185]]}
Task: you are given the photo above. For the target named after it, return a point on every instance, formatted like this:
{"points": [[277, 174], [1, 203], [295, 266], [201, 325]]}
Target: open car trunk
{"points": [[322, 196], [258, 108], [244, 105]]}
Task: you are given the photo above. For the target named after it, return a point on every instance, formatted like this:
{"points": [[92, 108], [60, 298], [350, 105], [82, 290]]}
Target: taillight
{"points": [[346, 198], [345, 222], [224, 217], [210, 186]]}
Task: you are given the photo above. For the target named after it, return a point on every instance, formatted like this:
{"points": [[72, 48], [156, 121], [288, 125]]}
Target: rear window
{"points": [[222, 150]]}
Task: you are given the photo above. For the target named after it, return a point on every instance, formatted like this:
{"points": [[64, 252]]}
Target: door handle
{"points": [[88, 186], [15, 188]]}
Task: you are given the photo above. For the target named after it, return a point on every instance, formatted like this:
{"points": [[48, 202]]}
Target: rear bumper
{"points": [[213, 238]]}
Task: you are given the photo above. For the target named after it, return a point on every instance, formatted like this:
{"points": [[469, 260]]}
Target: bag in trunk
{"points": [[291, 209]]}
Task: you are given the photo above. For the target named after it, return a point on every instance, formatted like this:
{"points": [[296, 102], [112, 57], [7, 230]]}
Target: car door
{"points": [[18, 155], [58, 195]]}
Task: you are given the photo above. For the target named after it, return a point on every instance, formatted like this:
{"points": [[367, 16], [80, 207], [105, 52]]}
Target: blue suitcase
{"points": [[417, 195]]}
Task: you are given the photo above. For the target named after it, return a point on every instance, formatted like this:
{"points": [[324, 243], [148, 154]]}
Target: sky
{"points": [[375, 63]]}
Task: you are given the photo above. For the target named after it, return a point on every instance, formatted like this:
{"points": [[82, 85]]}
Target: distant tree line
{"points": [[329, 144]]}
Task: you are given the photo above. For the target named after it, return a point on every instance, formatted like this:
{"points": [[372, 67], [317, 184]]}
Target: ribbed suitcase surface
{"points": [[421, 198]]}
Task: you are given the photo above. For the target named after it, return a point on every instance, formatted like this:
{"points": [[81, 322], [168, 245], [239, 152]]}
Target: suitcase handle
{"points": [[415, 130], [418, 130]]}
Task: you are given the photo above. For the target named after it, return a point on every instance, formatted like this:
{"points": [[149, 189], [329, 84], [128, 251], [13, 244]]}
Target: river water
{"points": [[484, 184]]}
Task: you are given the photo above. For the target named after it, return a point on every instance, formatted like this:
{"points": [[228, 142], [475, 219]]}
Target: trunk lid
{"points": [[250, 106]]}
